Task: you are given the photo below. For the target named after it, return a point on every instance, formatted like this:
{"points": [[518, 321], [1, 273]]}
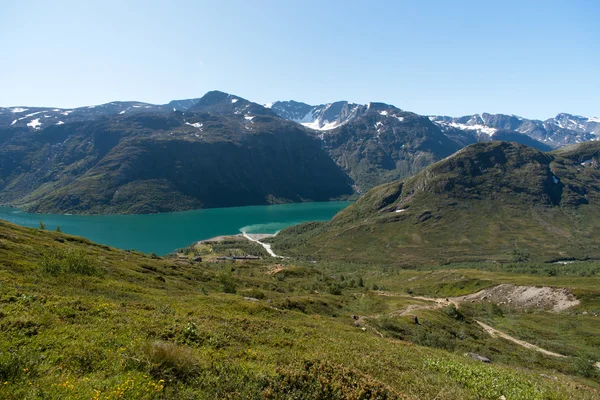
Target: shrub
{"points": [[335, 289], [68, 262], [453, 312], [584, 366], [325, 381], [15, 366], [254, 293], [85, 359], [171, 362], [229, 285]]}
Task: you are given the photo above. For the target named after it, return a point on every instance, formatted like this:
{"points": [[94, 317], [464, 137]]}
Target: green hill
{"points": [[223, 154], [490, 201], [80, 320]]}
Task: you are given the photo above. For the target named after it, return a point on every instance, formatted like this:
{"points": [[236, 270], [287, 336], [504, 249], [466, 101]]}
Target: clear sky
{"points": [[451, 57]]}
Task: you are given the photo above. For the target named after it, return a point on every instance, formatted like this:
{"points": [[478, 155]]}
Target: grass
{"points": [[144, 327], [493, 201]]}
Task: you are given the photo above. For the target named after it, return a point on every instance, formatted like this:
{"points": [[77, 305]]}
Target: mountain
{"points": [[224, 152], [37, 118], [556, 132], [378, 142], [489, 201], [56, 160], [322, 117], [373, 143]]}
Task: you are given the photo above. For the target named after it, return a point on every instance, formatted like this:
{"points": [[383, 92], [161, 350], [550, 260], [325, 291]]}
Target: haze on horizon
{"points": [[533, 59]]}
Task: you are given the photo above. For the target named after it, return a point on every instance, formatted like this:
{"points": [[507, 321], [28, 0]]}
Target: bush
{"points": [[335, 289], [85, 359], [325, 381], [68, 262], [584, 366], [15, 366], [229, 285], [254, 293], [453, 312], [171, 362]]}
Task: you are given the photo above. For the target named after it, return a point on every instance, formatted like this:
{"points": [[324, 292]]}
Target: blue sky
{"points": [[531, 58]]}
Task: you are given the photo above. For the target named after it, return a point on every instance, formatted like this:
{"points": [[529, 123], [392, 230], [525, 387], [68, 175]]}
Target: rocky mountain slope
{"points": [[490, 201], [38, 118], [556, 132], [371, 144], [226, 152], [564, 129], [378, 142]]}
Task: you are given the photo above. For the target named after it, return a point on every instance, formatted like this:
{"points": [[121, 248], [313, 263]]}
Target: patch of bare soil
{"points": [[525, 297], [275, 269], [496, 333]]}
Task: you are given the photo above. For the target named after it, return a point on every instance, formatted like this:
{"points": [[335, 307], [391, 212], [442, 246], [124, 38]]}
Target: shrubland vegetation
{"points": [[81, 320]]}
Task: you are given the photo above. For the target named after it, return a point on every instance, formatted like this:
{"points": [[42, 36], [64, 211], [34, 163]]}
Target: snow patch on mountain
{"points": [[197, 125], [475, 127], [321, 125], [35, 124], [321, 117]]}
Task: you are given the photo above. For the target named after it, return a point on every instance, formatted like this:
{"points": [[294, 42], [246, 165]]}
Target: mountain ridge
{"points": [[488, 201], [370, 144], [225, 153]]}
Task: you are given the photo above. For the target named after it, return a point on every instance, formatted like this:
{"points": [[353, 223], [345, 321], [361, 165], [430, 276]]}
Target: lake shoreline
{"points": [[256, 236], [165, 232]]}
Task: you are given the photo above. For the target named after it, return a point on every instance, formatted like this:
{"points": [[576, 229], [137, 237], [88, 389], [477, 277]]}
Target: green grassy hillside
{"points": [[80, 320], [490, 201]]}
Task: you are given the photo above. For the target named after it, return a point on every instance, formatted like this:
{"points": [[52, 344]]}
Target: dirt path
{"points": [[440, 302], [267, 246], [496, 333]]}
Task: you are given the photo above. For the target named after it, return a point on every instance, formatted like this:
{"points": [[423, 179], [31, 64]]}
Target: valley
{"points": [[300, 200], [221, 150], [85, 320]]}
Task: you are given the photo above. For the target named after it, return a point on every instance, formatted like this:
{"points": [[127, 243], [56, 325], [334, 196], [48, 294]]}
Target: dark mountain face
{"points": [[384, 143], [488, 201], [516, 137], [379, 143], [47, 152], [292, 110], [167, 161], [374, 143]]}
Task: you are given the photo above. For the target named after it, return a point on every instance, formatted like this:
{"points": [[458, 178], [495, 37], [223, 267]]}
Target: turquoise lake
{"points": [[165, 232]]}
